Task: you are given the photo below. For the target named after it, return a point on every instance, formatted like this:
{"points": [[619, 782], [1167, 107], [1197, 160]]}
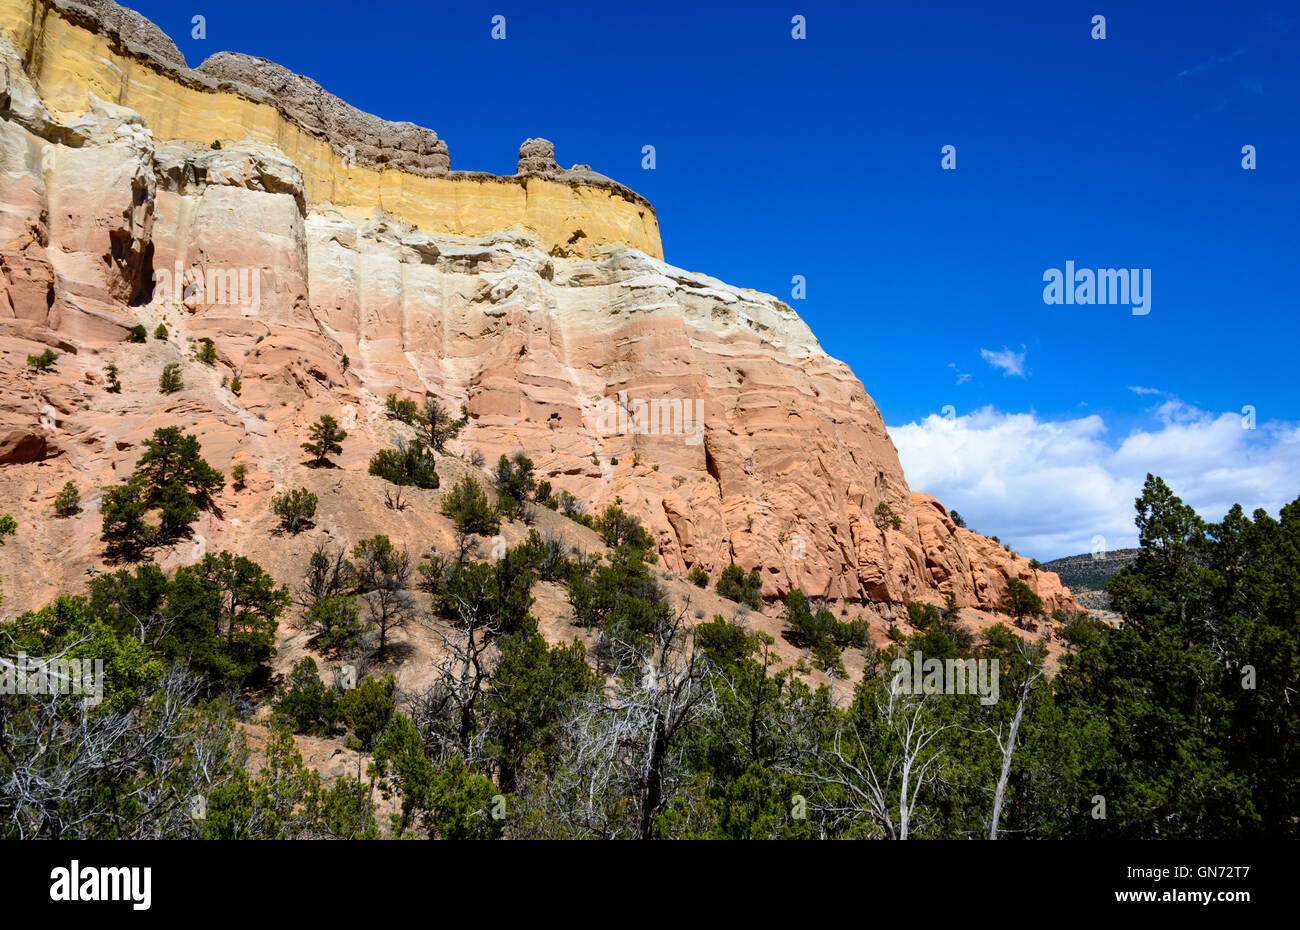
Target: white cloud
{"points": [[1048, 487], [1006, 361]]}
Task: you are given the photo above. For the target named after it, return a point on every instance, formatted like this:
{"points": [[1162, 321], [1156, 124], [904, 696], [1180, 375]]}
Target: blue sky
{"points": [[821, 157]]}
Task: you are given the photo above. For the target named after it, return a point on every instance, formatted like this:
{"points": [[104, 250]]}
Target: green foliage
{"points": [[532, 687], [170, 477], [282, 802], [44, 362], [306, 701], [236, 385], [137, 334], [468, 506], [411, 463], [619, 528], [383, 573], [620, 597], [514, 485], [326, 440], [224, 610], [160, 332], [217, 616], [8, 527], [1001, 638], [345, 811], [1182, 716], [173, 458], [435, 427], [114, 385], [921, 616], [170, 381], [68, 501], [1080, 630], [335, 622], [296, 509], [940, 632], [726, 644], [331, 608], [547, 555], [735, 585], [128, 766], [438, 427], [572, 508], [885, 518], [461, 805], [1020, 601], [404, 409], [345, 363], [496, 594], [207, 351], [757, 806], [957, 518], [698, 577], [367, 708], [403, 769], [238, 473], [1184, 702], [819, 631], [125, 528]]}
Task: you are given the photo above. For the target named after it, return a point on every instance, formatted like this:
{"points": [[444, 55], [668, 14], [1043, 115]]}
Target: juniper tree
{"points": [[383, 575], [468, 506], [44, 362], [296, 507], [1020, 601]]}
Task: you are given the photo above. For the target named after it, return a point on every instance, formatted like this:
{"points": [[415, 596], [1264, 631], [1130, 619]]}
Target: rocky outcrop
{"points": [[709, 410], [364, 138], [537, 156], [974, 567], [537, 160], [351, 160], [125, 28]]}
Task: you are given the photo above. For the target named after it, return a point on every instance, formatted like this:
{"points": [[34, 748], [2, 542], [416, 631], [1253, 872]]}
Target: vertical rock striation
{"points": [[540, 302]]}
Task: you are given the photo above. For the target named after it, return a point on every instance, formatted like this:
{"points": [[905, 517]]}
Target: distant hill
{"points": [[1087, 572]]}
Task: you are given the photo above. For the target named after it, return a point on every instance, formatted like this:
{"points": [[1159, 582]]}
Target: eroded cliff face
{"points": [[75, 50], [539, 302]]}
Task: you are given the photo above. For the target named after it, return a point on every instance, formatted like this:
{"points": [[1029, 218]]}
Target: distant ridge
{"points": [[1087, 573]]}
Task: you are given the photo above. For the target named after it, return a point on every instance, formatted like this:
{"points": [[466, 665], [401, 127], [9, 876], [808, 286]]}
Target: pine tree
{"points": [[67, 501], [170, 381], [326, 440]]}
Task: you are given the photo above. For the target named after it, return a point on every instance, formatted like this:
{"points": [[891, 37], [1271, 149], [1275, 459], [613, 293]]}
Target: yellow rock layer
{"points": [[68, 63]]}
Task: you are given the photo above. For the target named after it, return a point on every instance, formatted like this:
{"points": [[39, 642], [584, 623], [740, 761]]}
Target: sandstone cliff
{"points": [[539, 301]]}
